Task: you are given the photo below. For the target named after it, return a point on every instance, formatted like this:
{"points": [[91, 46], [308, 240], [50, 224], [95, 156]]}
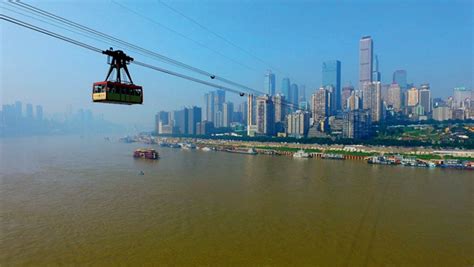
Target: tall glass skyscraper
{"points": [[332, 77], [400, 78], [269, 83], [365, 61], [293, 97], [285, 87], [376, 77]]}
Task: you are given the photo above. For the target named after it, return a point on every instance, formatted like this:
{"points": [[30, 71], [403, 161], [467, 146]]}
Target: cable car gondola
{"points": [[118, 91]]}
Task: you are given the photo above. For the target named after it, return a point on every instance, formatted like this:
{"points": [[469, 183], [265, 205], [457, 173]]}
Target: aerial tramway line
{"points": [[118, 91], [118, 88]]}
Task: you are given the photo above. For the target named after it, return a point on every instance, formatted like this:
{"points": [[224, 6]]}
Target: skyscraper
{"points": [[243, 109], [293, 97], [301, 93], [194, 117], [161, 119], [365, 61], [424, 98], [39, 113], [332, 106], [29, 111], [354, 102], [209, 98], [460, 94], [285, 87], [331, 76], [394, 97], [400, 78], [280, 108], [227, 112], [269, 83], [346, 93], [356, 124], [250, 115], [220, 99], [298, 124], [18, 110], [320, 104], [181, 120], [265, 115], [376, 73], [412, 97], [372, 100]]}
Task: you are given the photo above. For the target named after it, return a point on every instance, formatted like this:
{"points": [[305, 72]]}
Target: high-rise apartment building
{"points": [[298, 124], [250, 115], [346, 93], [331, 76], [460, 94], [356, 124], [209, 99], [365, 61], [412, 97], [442, 113], [228, 113], [394, 97], [194, 117], [265, 115], [372, 100], [424, 98], [181, 120], [280, 107], [320, 101], [161, 119], [354, 102]]}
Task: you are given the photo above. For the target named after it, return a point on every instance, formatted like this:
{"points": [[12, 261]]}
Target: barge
{"points": [[146, 154]]}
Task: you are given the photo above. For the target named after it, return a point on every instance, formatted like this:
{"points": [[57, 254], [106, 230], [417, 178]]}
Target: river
{"points": [[72, 200]]}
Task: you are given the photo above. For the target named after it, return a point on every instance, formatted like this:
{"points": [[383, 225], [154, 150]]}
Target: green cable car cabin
{"points": [[118, 91]]}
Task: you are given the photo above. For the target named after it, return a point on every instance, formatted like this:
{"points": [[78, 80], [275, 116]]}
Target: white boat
{"points": [[206, 149], [188, 146], [301, 154]]}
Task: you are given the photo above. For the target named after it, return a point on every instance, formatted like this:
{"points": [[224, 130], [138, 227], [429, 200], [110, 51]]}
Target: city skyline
{"points": [[299, 61]]}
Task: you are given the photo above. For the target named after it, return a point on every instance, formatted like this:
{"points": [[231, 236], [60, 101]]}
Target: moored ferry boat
{"points": [[250, 151], [146, 153], [301, 154], [332, 156]]}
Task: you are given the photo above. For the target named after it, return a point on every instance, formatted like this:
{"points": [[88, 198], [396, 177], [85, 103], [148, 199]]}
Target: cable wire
{"points": [[98, 50], [81, 27], [221, 37]]}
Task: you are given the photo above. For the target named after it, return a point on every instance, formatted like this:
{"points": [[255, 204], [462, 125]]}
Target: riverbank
{"points": [[386, 155]]}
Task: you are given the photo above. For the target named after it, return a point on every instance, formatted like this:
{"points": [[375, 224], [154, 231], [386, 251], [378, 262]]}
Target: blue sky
{"points": [[432, 40]]}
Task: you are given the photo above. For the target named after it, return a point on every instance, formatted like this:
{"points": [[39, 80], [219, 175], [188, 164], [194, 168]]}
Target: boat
{"points": [[383, 160], [146, 153], [250, 151], [206, 149], [452, 163], [332, 156], [301, 154], [188, 146]]}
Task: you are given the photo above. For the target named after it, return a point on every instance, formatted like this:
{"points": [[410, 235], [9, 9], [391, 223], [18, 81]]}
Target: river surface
{"points": [[72, 200]]}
